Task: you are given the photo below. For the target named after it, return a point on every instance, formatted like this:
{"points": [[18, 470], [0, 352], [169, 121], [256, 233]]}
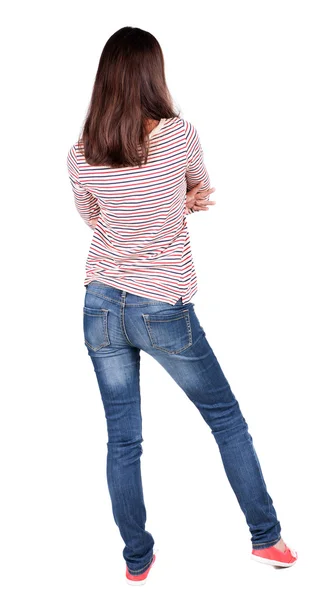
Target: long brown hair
{"points": [[129, 89]]}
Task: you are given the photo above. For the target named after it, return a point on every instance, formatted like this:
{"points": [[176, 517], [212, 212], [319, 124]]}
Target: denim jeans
{"points": [[117, 325]]}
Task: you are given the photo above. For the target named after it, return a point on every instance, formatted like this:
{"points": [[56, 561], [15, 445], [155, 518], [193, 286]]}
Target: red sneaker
{"points": [[273, 556], [139, 579]]}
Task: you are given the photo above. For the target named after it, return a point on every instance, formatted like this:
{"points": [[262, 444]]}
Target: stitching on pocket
{"points": [[156, 318]]}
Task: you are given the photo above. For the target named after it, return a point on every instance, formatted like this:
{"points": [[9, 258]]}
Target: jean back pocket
{"points": [[169, 331], [95, 327]]}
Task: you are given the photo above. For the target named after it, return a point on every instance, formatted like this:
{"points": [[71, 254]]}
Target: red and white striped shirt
{"points": [[141, 242]]}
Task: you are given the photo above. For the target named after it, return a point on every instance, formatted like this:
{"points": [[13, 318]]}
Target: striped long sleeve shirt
{"points": [[141, 242]]}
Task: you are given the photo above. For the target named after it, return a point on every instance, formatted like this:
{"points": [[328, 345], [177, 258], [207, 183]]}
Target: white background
{"points": [[255, 78]]}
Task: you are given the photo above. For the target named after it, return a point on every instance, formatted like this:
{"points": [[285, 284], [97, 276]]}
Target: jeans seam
{"points": [[122, 321]]}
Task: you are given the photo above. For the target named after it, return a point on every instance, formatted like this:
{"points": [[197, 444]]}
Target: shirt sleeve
{"points": [[196, 170], [86, 204]]}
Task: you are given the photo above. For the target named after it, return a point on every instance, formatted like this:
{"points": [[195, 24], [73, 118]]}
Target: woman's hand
{"points": [[197, 200], [93, 222]]}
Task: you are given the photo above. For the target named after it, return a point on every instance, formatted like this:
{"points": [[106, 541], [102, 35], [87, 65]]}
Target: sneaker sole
{"points": [[130, 582], [269, 561]]}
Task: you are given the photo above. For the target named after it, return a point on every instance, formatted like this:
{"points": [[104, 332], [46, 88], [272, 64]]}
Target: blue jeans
{"points": [[117, 325]]}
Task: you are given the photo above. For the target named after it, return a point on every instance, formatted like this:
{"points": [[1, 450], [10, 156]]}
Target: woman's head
{"points": [[129, 88]]}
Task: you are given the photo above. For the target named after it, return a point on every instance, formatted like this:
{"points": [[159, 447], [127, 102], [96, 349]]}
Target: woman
{"points": [[136, 172]]}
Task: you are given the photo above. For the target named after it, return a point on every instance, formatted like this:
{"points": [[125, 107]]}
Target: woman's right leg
{"points": [[175, 338]]}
